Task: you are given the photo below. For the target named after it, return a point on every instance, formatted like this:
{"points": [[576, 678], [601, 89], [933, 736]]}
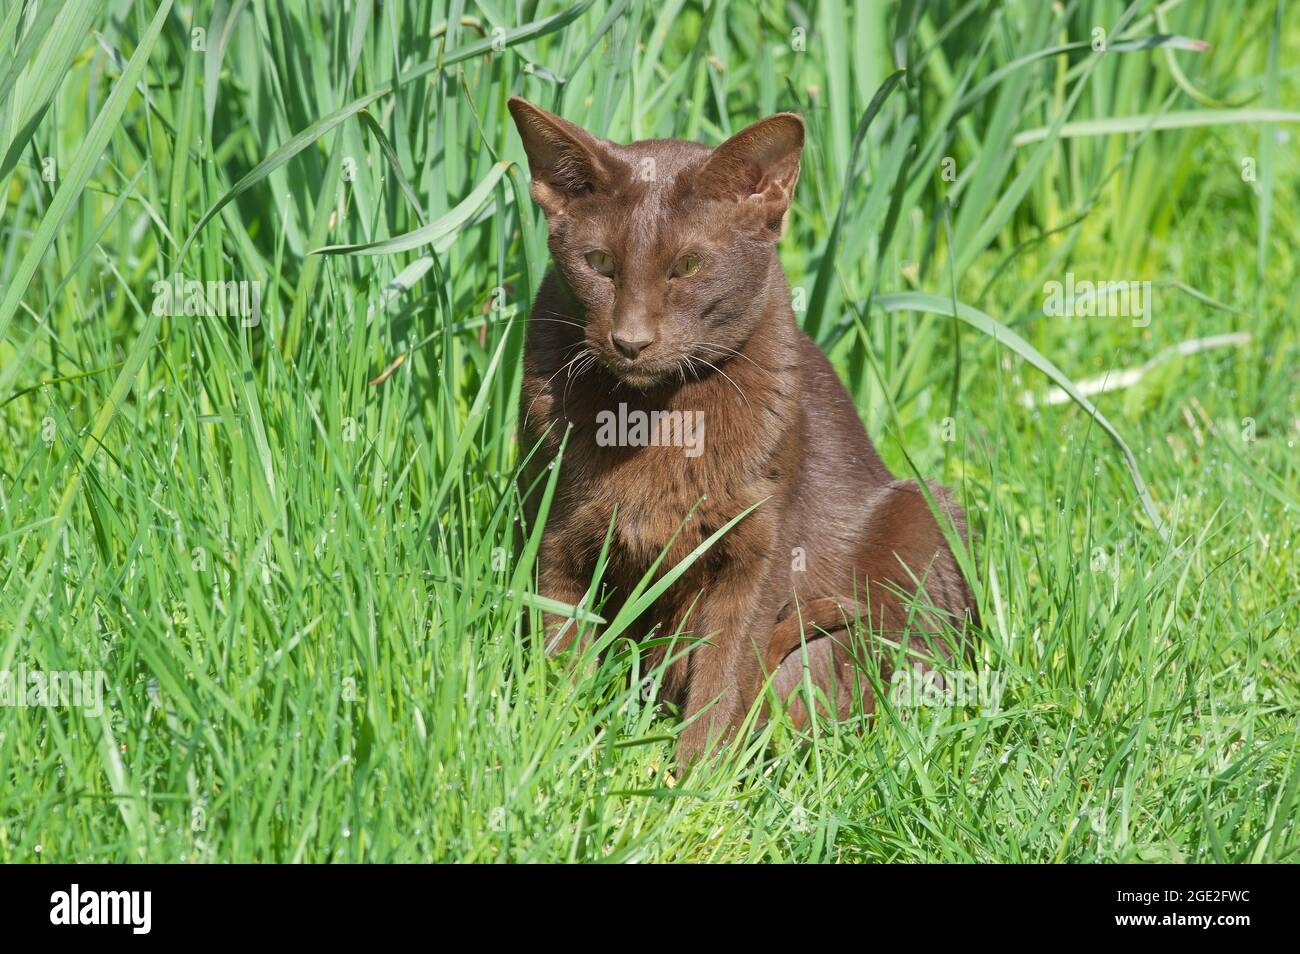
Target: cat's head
{"points": [[667, 245]]}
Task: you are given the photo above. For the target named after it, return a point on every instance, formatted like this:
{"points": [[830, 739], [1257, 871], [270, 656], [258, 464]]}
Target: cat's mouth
{"points": [[641, 375]]}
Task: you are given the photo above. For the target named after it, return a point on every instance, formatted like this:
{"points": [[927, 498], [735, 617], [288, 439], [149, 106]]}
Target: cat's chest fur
{"points": [[659, 473]]}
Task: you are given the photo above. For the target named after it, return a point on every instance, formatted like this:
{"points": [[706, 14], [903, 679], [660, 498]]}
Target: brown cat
{"points": [[667, 296]]}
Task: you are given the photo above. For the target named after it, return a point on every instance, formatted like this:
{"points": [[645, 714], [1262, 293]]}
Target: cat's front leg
{"points": [[558, 579], [726, 663]]}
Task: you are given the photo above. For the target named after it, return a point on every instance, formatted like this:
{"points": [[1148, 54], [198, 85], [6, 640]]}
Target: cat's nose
{"points": [[631, 347]]}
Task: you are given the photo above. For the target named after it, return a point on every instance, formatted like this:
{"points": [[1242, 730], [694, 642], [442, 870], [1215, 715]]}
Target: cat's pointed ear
{"points": [[565, 160], [758, 166]]}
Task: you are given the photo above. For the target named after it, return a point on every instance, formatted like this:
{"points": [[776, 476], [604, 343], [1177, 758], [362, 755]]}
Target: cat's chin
{"points": [[641, 380], [638, 377]]}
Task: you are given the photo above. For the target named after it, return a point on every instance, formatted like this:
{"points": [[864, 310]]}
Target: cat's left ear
{"points": [[758, 166]]}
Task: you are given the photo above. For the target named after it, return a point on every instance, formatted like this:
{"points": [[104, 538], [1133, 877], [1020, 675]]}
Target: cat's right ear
{"points": [[565, 160]]}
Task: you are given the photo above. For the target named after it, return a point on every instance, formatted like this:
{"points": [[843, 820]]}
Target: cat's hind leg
{"points": [[913, 601], [816, 639]]}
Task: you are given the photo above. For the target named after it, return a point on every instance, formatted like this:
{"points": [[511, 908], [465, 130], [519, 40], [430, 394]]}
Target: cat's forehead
{"points": [[653, 198], [661, 162]]}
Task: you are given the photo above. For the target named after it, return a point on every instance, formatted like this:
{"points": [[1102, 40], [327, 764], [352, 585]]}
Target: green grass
{"points": [[299, 584]]}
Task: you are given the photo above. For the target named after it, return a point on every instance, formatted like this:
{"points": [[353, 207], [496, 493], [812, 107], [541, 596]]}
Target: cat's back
{"points": [[840, 473], [834, 436]]}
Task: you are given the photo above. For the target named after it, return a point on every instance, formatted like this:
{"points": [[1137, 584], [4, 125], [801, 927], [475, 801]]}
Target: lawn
{"points": [[273, 518]]}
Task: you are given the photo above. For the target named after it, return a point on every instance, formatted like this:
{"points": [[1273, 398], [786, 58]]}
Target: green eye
{"points": [[601, 262], [686, 266]]}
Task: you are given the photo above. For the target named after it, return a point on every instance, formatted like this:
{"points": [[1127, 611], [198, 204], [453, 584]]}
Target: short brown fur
{"points": [[781, 430]]}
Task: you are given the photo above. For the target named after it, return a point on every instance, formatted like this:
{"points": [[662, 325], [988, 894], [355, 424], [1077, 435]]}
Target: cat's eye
{"points": [[686, 266], [601, 262]]}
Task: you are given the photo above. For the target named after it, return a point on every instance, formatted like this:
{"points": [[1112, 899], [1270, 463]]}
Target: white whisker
{"points": [[547, 384], [725, 375]]}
